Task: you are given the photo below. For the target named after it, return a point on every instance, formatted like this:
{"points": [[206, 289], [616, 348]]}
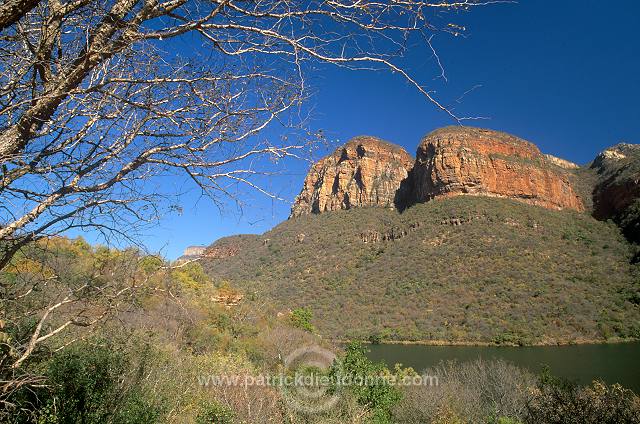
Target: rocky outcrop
{"points": [[565, 164], [618, 170], [462, 160], [221, 251], [617, 191], [450, 161], [366, 171], [193, 251], [227, 298]]}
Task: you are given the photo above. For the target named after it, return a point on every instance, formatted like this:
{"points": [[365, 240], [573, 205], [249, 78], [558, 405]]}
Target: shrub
{"points": [[470, 392], [377, 395], [301, 318], [375, 339], [214, 413], [95, 383], [559, 401]]}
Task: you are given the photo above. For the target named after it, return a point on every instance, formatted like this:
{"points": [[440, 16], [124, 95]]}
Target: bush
{"points": [[559, 401], [214, 413], [96, 383], [470, 392], [301, 318], [377, 395], [375, 339]]}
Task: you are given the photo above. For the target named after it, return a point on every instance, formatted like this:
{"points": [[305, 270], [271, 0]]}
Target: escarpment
{"points": [[462, 160], [618, 170], [617, 191], [450, 161], [366, 171], [462, 261]]}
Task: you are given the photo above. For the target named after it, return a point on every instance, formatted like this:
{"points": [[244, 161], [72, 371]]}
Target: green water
{"points": [[612, 363]]}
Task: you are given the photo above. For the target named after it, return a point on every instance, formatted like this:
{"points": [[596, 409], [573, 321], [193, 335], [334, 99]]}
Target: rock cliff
{"points": [[617, 191], [618, 170], [193, 251], [561, 162], [450, 161], [473, 161], [366, 171]]}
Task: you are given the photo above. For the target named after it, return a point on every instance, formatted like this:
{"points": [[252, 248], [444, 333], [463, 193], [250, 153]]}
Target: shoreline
{"points": [[444, 343]]}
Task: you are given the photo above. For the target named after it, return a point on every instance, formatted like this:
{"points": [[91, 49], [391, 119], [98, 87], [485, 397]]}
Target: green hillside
{"points": [[465, 269]]}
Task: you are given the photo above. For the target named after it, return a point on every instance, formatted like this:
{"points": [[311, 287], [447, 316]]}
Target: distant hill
{"points": [[481, 239], [460, 269]]}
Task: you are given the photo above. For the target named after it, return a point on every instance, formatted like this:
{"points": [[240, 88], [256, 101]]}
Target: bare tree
{"points": [[95, 100]]}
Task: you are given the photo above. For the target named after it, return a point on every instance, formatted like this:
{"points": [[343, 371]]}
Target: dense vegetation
{"points": [[462, 269]]}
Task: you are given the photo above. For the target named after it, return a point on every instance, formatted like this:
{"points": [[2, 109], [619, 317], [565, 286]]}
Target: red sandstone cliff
{"points": [[463, 160], [366, 171], [450, 161]]}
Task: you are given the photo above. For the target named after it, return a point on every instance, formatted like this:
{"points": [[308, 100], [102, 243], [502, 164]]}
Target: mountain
{"points": [[481, 239]]}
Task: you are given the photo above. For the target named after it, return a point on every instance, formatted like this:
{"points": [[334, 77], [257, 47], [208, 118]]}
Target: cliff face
{"points": [[561, 162], [366, 171], [463, 160], [618, 186], [450, 161], [193, 251], [617, 190]]}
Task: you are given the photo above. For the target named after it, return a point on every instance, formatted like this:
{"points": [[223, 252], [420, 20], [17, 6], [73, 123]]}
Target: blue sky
{"points": [[564, 75]]}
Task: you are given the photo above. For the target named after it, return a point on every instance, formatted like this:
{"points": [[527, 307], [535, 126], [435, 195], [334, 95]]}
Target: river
{"points": [[612, 363]]}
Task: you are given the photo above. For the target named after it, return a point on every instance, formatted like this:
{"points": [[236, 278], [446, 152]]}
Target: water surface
{"points": [[612, 363]]}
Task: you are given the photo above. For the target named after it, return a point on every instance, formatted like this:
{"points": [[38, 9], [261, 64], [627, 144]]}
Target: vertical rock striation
{"points": [[449, 161], [366, 171]]}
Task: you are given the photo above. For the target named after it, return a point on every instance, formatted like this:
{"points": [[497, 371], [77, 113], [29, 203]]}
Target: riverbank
{"points": [[613, 340]]}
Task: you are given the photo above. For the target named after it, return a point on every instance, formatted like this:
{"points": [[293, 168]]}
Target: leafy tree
{"points": [[368, 385]]}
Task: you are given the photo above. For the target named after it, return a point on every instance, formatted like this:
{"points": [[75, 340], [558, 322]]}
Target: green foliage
{"points": [[374, 339], [301, 318], [191, 277], [151, 264], [369, 389], [629, 221], [507, 338], [503, 420], [505, 272], [89, 385]]}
